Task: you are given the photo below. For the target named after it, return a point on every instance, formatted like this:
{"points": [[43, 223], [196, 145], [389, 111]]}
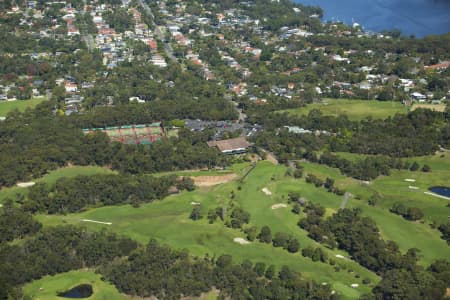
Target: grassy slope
{"points": [[195, 173], [168, 221], [392, 189], [354, 109], [52, 177], [21, 105], [48, 287]]}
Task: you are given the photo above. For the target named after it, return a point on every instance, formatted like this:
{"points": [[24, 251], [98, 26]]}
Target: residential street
{"points": [[159, 33]]}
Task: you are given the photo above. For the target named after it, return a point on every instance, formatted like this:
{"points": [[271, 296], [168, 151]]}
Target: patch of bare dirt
{"points": [[270, 157], [205, 181]]}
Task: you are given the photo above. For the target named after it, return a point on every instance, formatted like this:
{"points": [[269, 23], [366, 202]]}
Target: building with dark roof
{"points": [[231, 146]]}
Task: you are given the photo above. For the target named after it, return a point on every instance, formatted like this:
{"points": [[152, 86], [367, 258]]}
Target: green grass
{"points": [[354, 109], [48, 287], [73, 171], [21, 105], [52, 177], [168, 221], [393, 189], [194, 173], [238, 168]]}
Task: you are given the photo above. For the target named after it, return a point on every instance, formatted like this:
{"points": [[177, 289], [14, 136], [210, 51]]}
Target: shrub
{"points": [[426, 168], [196, 213]]}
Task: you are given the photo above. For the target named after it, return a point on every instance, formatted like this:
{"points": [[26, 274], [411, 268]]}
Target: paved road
{"points": [[87, 37], [168, 49], [89, 40], [242, 116], [345, 199]]}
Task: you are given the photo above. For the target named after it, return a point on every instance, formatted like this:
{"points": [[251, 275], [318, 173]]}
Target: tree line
{"points": [[56, 250], [69, 195], [174, 273], [15, 223], [420, 132], [46, 142], [360, 237]]}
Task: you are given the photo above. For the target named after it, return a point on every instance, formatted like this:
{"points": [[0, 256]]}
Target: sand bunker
{"points": [[195, 203], [354, 285], [241, 241], [413, 187], [410, 180], [98, 222], [266, 191], [212, 180], [26, 184], [279, 205], [340, 256]]}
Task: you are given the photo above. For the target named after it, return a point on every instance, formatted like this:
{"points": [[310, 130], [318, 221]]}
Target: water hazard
{"points": [[78, 292], [441, 190]]}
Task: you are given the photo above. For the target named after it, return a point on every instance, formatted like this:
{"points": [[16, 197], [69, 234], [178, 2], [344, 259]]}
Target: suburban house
{"points": [[74, 99], [441, 66], [136, 99], [231, 146], [297, 129], [159, 61], [71, 87], [418, 96]]}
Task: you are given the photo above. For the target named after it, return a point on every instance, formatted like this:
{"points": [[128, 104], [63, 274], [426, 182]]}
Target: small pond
{"points": [[80, 291], [441, 190]]}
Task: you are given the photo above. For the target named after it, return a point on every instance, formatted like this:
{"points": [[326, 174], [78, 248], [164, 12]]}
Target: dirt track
{"points": [[203, 181], [270, 157]]}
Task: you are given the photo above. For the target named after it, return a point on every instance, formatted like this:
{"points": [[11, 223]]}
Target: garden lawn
{"points": [[48, 287], [21, 105], [353, 109]]}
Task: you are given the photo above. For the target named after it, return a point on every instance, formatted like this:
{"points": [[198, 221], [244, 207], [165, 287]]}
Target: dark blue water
{"points": [[441, 190], [412, 17], [81, 291]]}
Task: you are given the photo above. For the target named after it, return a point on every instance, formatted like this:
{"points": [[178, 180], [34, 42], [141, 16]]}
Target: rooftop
{"points": [[230, 145]]}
